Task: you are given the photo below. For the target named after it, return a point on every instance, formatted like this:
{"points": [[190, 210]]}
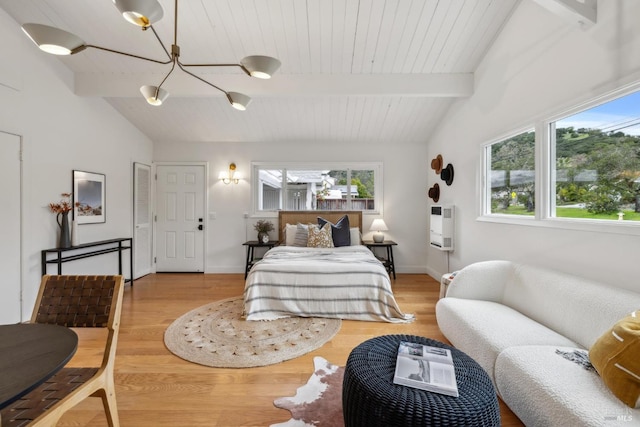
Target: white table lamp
{"points": [[378, 226]]}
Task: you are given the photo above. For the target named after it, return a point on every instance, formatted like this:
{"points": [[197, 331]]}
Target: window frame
{"points": [[377, 167], [545, 192], [485, 169]]}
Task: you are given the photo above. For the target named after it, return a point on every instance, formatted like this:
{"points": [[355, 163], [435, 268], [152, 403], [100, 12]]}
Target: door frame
{"points": [[21, 257], [205, 204], [136, 166]]}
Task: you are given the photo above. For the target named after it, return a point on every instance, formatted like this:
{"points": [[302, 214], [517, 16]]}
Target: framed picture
{"points": [[89, 196]]}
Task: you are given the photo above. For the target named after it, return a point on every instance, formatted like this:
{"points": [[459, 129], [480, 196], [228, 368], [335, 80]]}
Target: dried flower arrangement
{"points": [[63, 206]]}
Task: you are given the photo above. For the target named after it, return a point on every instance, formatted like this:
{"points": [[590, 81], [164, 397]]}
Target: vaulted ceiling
{"points": [[352, 70]]}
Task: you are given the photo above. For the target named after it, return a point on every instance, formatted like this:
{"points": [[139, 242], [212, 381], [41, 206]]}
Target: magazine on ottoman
{"points": [[425, 367]]}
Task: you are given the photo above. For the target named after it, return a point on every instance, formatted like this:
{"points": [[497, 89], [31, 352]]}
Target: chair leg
{"points": [[110, 406]]}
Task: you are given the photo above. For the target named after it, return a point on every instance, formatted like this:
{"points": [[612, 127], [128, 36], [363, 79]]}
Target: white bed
{"points": [[346, 282]]}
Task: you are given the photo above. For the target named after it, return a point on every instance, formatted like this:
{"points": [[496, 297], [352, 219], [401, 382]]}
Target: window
{"points": [[595, 162], [317, 187], [511, 175], [591, 164]]}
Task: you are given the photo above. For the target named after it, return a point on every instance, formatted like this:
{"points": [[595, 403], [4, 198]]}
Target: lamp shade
{"points": [[140, 12], [53, 40], [261, 67], [239, 101], [378, 225], [149, 93]]}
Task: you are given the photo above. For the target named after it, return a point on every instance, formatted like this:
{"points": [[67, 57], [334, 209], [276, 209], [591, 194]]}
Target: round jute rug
{"points": [[217, 335]]}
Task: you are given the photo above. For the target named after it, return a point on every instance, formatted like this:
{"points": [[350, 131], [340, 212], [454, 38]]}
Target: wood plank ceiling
{"points": [[365, 70]]}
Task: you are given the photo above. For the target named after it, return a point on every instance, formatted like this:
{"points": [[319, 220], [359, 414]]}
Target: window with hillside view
{"points": [[511, 175], [597, 162], [316, 187]]}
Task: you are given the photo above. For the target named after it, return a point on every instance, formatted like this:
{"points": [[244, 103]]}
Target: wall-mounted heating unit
{"points": [[441, 228]]}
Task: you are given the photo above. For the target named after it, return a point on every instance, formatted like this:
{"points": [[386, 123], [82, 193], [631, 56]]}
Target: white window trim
{"points": [[544, 202], [376, 166], [485, 165]]}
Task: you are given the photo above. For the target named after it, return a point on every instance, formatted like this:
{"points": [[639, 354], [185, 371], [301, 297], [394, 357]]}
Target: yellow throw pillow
{"points": [[616, 357], [320, 237]]}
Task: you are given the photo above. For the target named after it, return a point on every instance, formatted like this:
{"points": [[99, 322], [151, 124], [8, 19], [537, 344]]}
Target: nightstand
{"points": [[388, 261], [251, 259]]}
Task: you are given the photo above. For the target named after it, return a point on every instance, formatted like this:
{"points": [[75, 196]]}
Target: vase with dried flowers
{"points": [[62, 209], [263, 227]]}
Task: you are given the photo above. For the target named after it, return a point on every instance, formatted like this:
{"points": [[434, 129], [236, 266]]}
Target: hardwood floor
{"points": [[156, 388]]}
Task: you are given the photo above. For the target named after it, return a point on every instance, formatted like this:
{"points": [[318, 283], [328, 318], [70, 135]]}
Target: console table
{"points": [[95, 248]]}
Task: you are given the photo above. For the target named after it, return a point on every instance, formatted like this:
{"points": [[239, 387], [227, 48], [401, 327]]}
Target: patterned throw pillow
{"points": [[302, 235], [339, 231], [320, 237]]}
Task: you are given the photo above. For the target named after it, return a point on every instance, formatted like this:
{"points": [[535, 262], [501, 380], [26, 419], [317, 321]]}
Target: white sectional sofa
{"points": [[514, 319]]}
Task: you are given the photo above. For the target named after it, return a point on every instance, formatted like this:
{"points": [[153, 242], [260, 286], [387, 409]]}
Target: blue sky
{"points": [[621, 114]]}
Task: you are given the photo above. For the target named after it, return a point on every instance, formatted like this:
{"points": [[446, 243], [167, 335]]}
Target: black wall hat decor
{"points": [[447, 174], [436, 164], [434, 193]]}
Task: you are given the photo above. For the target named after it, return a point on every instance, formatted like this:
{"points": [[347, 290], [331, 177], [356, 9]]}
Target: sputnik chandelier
{"points": [[144, 13]]}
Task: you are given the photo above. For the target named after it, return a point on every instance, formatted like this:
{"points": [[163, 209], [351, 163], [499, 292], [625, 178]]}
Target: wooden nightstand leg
{"points": [[249, 260], [392, 265]]}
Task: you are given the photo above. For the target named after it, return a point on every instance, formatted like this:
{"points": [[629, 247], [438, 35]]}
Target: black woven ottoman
{"points": [[370, 398]]}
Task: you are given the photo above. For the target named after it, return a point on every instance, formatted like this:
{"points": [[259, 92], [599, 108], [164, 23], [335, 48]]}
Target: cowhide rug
{"points": [[317, 403]]}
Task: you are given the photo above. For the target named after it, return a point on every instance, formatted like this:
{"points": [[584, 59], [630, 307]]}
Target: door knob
{"points": [[200, 227]]}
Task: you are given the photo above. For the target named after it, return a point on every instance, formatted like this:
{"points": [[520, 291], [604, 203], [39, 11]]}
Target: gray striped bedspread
{"points": [[346, 283]]}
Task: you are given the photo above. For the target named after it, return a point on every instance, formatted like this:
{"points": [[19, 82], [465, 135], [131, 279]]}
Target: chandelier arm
{"points": [[202, 80], [242, 67], [173, 66], [129, 54], [160, 41]]}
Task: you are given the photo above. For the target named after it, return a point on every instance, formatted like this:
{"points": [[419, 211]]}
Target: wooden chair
{"points": [[75, 302]]}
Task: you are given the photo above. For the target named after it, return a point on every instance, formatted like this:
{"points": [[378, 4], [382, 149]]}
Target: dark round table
{"points": [[370, 398], [30, 353]]}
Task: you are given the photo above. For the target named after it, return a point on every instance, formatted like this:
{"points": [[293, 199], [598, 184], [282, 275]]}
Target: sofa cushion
{"points": [[616, 357], [570, 305], [482, 329], [544, 389]]}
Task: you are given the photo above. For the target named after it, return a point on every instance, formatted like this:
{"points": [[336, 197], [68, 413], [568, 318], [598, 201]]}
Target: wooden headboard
{"points": [[305, 217]]}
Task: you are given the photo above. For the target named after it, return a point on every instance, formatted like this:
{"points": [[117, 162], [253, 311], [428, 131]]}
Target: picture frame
{"points": [[89, 197]]}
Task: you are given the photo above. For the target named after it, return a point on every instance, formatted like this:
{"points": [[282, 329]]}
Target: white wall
{"points": [[405, 201], [538, 66], [62, 132]]}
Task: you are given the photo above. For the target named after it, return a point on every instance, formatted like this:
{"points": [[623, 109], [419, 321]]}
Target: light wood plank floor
{"points": [[156, 388]]}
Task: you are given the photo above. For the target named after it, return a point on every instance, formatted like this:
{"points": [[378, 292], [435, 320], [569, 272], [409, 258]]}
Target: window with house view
{"points": [[511, 175], [597, 162], [316, 188]]}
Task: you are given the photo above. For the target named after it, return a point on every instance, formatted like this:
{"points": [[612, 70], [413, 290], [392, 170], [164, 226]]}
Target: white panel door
{"points": [[10, 244], [142, 231], [180, 203]]}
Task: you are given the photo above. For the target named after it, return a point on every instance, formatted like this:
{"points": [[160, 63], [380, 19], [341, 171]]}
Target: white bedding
{"points": [[346, 282]]}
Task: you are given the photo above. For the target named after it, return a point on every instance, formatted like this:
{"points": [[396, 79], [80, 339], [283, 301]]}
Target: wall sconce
{"points": [[230, 176]]}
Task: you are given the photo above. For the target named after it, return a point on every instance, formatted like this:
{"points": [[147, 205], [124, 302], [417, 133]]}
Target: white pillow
{"points": [[355, 236], [290, 234]]}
